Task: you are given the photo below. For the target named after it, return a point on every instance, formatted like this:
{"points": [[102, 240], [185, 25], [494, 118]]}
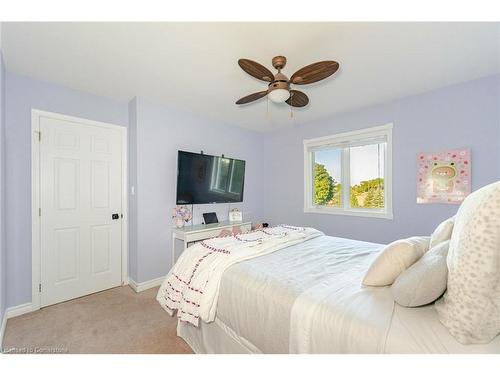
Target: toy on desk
{"points": [[235, 215], [260, 226], [226, 232]]}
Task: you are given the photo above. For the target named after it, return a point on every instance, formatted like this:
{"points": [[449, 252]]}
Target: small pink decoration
{"points": [[181, 214], [443, 177]]}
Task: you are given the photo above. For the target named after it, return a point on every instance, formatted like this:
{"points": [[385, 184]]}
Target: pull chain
{"points": [[291, 106], [267, 97]]}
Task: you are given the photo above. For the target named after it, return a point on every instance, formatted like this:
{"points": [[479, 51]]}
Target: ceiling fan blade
{"points": [[252, 97], [314, 72], [256, 70], [297, 99]]}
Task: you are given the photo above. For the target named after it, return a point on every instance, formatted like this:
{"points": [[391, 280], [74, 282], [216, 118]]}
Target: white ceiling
{"points": [[193, 66]]}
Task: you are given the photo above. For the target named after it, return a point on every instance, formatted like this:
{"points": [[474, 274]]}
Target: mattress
{"points": [[309, 298]]}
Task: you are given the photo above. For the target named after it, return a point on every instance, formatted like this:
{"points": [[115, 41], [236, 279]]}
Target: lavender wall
{"points": [[155, 134], [3, 255], [23, 94], [464, 115], [161, 131], [132, 183]]}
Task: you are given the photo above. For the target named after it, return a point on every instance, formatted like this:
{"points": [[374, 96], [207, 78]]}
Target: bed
{"points": [[308, 298]]}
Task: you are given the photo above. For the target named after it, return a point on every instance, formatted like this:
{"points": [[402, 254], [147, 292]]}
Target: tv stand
{"points": [[193, 233]]}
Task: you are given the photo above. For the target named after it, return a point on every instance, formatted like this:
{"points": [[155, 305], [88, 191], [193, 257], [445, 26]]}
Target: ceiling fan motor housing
{"points": [[280, 82], [279, 62]]}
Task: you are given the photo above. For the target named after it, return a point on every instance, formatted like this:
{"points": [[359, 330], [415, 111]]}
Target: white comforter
{"points": [[338, 312], [192, 286], [307, 298]]}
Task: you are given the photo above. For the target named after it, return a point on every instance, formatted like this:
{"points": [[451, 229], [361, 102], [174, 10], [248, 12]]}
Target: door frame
{"points": [[36, 271]]}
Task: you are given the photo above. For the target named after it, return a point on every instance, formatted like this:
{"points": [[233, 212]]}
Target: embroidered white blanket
{"points": [[192, 286]]}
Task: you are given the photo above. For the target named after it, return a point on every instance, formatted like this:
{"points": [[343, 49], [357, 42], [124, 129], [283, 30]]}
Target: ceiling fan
{"points": [[278, 89]]}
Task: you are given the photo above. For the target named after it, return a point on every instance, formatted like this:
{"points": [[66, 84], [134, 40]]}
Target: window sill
{"points": [[351, 212]]}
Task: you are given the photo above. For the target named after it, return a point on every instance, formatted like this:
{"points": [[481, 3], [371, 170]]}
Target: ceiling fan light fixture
{"points": [[279, 85], [279, 95]]}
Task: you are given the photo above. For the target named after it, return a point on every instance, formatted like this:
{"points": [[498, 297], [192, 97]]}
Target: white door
{"points": [[80, 190]]}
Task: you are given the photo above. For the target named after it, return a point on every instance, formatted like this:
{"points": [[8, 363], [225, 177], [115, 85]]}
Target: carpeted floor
{"points": [[113, 321]]}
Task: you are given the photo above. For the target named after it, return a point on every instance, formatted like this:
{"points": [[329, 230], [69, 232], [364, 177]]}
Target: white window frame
{"points": [[340, 140], [216, 172]]}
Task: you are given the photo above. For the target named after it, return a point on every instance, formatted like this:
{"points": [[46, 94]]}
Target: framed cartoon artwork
{"points": [[443, 177]]}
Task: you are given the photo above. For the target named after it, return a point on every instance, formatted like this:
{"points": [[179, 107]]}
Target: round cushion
{"points": [[425, 281]]}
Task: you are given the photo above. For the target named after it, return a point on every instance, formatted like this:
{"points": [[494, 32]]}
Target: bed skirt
{"points": [[217, 338], [214, 338]]}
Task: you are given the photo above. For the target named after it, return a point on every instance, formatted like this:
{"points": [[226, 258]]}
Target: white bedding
{"points": [[264, 307], [192, 286], [338, 314]]}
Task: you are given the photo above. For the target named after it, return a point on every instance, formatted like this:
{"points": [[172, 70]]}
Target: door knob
{"points": [[115, 216]]}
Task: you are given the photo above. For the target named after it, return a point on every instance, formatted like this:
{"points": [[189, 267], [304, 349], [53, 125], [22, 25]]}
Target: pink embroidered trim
{"points": [[269, 234], [190, 302], [184, 320], [224, 251], [173, 300], [197, 265], [178, 278], [172, 287], [189, 286], [180, 310], [292, 228], [187, 312]]}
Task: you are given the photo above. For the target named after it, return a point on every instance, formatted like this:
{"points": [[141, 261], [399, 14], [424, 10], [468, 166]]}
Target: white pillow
{"points": [[394, 259], [470, 308], [425, 281], [442, 232]]}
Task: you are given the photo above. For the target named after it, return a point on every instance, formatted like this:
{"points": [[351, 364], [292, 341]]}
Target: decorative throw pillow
{"points": [[425, 281], [470, 308], [394, 259], [442, 232]]}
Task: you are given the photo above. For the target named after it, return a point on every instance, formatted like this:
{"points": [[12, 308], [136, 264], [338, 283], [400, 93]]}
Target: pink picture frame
{"points": [[444, 176]]}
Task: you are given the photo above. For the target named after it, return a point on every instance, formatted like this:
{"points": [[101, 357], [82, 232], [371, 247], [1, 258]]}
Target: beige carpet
{"points": [[114, 321]]}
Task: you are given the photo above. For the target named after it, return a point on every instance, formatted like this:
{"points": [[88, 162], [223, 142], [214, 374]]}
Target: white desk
{"points": [[193, 233]]}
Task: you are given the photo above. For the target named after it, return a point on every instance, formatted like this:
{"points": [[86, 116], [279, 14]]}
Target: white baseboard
{"points": [[140, 287], [14, 311], [2, 329]]}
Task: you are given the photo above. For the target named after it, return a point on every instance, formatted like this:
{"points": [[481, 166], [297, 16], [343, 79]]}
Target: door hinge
{"points": [[40, 288], [39, 135], [39, 211]]}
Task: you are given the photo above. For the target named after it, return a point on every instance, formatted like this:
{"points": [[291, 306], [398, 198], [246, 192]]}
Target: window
{"points": [[227, 176], [220, 175], [350, 173], [237, 176]]}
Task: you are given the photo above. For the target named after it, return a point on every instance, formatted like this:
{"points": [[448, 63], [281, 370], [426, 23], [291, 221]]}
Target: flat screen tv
{"points": [[205, 178]]}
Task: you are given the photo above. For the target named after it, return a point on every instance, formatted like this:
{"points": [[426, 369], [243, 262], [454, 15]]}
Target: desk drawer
{"points": [[193, 237]]}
